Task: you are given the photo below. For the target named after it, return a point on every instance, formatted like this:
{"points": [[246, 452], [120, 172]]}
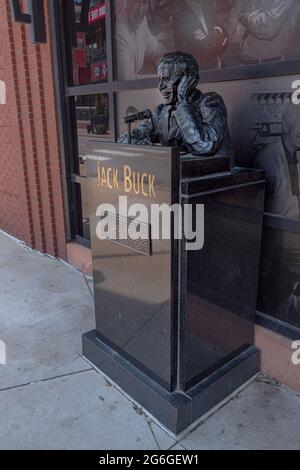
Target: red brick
{"points": [[31, 200]]}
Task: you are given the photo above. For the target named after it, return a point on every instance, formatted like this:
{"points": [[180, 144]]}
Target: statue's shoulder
{"points": [[211, 102], [159, 108], [211, 98]]}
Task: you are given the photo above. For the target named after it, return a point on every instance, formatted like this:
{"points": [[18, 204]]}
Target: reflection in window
{"points": [[274, 146], [89, 54], [279, 286], [219, 33], [83, 212], [147, 29], [263, 30], [92, 117], [138, 49]]}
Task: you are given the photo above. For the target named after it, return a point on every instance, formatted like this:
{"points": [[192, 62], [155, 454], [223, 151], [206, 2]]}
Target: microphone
{"points": [[147, 114]]}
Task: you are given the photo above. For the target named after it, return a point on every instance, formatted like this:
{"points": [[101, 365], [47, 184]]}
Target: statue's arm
{"points": [[202, 126], [142, 135]]}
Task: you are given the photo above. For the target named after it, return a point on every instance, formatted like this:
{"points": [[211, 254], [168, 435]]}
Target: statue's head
{"points": [[171, 70]]}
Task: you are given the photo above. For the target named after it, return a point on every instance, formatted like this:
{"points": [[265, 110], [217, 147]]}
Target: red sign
{"points": [[97, 13], [79, 53]]}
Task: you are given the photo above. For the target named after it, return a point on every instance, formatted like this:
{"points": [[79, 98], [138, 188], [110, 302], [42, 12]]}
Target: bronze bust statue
{"points": [[194, 121]]}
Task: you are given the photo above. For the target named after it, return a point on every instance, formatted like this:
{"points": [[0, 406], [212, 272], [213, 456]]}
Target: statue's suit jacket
{"points": [[197, 125]]}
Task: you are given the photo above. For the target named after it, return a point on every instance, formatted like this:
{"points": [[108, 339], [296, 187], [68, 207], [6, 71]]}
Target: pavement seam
{"points": [[185, 448], [45, 380], [176, 444], [152, 432], [88, 286]]}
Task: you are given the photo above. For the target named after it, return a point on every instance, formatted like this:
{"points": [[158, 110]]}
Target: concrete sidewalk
{"points": [[51, 398]]}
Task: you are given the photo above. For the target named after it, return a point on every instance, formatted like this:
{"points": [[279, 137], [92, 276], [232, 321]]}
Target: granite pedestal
{"points": [[175, 328]]}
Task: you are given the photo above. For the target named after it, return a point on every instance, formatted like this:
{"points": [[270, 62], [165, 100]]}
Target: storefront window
{"points": [[220, 33], [275, 137], [271, 142], [89, 57], [93, 126], [92, 118], [279, 286]]}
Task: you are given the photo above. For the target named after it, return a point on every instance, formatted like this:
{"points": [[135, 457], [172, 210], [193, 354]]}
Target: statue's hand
{"points": [[186, 86], [123, 139]]}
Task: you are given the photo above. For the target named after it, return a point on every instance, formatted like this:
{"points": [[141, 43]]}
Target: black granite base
{"points": [[176, 411]]}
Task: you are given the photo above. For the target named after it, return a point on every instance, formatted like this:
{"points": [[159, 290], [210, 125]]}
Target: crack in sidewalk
{"points": [[45, 380], [88, 286]]}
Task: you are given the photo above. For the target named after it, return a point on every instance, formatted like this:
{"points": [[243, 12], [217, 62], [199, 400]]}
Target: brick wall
{"points": [[31, 202]]}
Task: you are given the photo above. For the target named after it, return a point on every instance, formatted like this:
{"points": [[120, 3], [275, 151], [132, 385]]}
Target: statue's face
{"points": [[169, 79]]}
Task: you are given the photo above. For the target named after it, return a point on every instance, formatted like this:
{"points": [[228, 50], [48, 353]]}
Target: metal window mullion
{"points": [[111, 67], [59, 74]]}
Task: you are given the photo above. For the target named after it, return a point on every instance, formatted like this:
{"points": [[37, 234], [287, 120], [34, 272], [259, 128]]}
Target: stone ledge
{"points": [[276, 357], [80, 257]]}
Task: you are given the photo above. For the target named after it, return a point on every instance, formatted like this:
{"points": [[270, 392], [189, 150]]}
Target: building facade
{"points": [[31, 190], [70, 70]]}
